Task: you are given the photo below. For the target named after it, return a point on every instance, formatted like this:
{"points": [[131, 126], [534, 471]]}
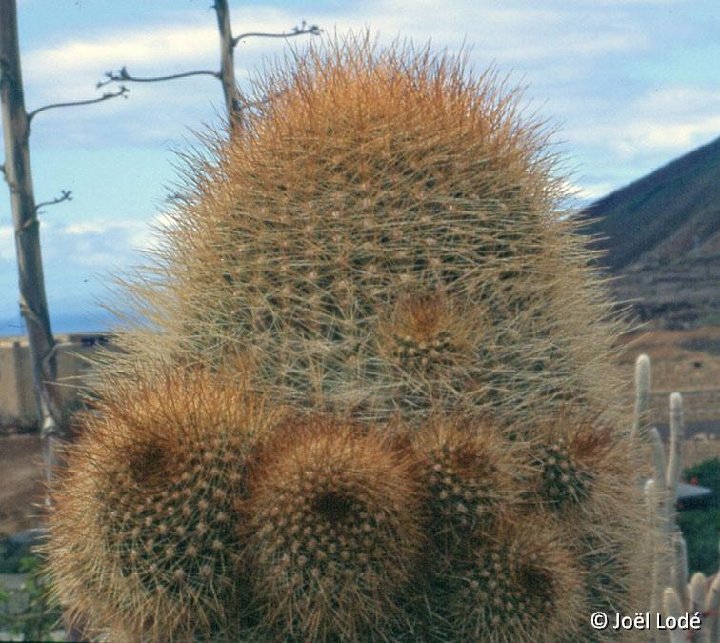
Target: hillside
{"points": [[661, 236]]}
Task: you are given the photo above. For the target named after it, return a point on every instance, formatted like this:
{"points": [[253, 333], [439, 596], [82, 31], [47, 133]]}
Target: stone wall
{"points": [[17, 399]]}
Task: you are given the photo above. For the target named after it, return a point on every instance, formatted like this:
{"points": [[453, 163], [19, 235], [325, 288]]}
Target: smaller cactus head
{"points": [[468, 470], [428, 344], [145, 528], [426, 332], [516, 584], [564, 480], [334, 530], [571, 455], [586, 477]]}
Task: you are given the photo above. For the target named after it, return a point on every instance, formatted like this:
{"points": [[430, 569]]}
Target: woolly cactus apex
{"points": [[365, 176], [519, 583], [143, 540], [428, 331], [428, 343], [470, 474], [334, 532]]}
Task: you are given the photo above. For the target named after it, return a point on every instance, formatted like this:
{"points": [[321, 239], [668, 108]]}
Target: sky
{"points": [[628, 85]]}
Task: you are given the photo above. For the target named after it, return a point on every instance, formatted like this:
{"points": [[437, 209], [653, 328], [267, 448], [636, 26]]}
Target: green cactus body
{"points": [[375, 398]]}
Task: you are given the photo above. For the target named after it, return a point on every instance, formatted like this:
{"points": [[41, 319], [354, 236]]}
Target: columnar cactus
{"points": [[666, 542], [376, 399], [674, 593]]}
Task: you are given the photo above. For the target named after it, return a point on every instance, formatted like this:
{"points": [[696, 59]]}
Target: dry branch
{"points": [[77, 103], [124, 75], [234, 103], [65, 195], [313, 30]]}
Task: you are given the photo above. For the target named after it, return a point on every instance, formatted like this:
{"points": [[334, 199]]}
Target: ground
{"points": [[21, 487], [687, 361]]}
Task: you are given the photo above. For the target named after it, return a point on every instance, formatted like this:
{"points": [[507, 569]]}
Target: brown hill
{"points": [[661, 237]]}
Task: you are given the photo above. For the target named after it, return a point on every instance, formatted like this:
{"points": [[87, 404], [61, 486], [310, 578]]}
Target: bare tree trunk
{"points": [[227, 65], [33, 301]]}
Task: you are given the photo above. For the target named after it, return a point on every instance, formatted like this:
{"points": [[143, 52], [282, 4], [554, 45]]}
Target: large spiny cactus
{"points": [[424, 441], [384, 212]]}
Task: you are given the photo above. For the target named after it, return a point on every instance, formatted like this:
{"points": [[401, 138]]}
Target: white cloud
{"points": [[145, 237], [680, 100], [658, 135], [515, 32], [583, 191], [88, 227], [101, 243], [666, 120], [157, 45]]}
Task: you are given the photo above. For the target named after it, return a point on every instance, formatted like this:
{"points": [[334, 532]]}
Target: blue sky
{"points": [[629, 85]]}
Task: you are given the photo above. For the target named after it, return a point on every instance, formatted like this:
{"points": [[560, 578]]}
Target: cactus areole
{"points": [[375, 399]]}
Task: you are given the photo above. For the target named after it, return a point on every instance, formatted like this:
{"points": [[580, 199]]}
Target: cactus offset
{"points": [[144, 533], [470, 473], [519, 583], [335, 532]]}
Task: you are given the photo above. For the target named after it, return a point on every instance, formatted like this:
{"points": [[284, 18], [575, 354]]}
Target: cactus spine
{"points": [[435, 456]]}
